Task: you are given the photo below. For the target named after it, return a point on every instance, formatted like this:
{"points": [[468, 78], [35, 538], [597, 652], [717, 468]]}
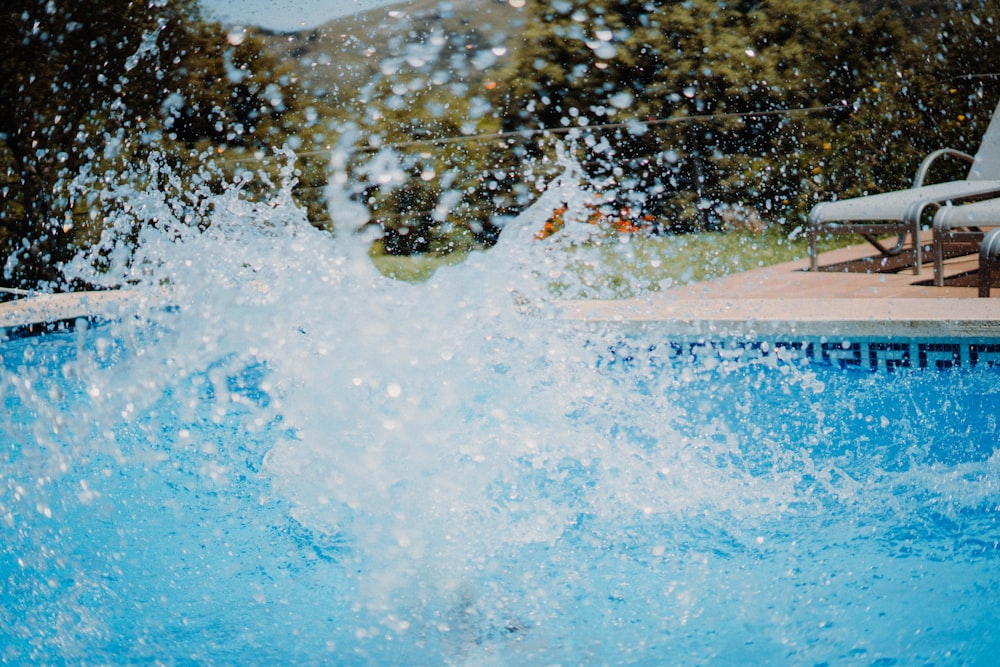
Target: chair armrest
{"points": [[926, 164]]}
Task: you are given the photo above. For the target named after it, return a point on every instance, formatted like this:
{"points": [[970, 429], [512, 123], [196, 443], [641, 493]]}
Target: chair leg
{"points": [[813, 251], [912, 218], [938, 243], [985, 277]]}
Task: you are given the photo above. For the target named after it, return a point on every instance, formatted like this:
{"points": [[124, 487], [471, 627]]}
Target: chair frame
{"points": [[966, 228], [901, 212], [951, 231], [909, 225]]}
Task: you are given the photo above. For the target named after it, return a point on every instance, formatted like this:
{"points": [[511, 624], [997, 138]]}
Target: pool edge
{"points": [[46, 312], [749, 317]]}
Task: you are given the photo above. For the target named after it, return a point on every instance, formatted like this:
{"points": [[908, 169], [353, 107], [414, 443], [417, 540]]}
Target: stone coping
{"points": [[850, 317], [66, 307], [687, 316]]}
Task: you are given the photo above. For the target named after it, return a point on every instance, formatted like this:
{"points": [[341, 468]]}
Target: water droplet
{"points": [[237, 35], [621, 100]]}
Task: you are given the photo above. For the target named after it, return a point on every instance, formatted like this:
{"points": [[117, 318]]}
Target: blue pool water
{"points": [[301, 461], [585, 507]]}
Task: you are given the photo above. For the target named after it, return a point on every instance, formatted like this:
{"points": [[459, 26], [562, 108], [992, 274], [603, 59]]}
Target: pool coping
{"points": [[845, 317], [783, 301], [43, 312], [665, 314], [789, 300], [732, 316]]}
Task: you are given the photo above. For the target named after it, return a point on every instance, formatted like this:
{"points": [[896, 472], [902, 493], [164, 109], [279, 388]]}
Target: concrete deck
{"points": [[790, 299], [51, 308], [784, 300]]}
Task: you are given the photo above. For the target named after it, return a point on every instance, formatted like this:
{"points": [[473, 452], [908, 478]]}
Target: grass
{"points": [[626, 265], [413, 268]]}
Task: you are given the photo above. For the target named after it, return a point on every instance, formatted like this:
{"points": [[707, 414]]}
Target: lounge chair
{"points": [[989, 260], [900, 212], [960, 229]]}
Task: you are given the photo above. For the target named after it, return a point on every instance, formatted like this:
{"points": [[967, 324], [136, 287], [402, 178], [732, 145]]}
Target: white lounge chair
{"points": [[900, 212], [962, 227]]}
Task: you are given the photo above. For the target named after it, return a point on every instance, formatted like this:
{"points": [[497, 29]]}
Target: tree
{"points": [[98, 85], [942, 93], [65, 67], [722, 73], [429, 184], [957, 84]]}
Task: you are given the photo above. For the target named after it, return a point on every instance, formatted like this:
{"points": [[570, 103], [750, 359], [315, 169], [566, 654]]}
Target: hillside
{"points": [[460, 39]]}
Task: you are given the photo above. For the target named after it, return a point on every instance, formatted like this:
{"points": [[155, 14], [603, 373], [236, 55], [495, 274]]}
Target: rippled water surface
{"points": [[300, 460]]}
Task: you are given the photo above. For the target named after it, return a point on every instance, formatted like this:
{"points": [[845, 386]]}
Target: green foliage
{"points": [[55, 61], [717, 79], [709, 67], [427, 189], [676, 109], [417, 192], [942, 94], [99, 86]]}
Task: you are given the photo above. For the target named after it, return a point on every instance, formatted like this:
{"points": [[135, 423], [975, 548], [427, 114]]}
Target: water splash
{"points": [[442, 472]]}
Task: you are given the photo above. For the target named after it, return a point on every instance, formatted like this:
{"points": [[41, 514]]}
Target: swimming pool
{"points": [[542, 496]]}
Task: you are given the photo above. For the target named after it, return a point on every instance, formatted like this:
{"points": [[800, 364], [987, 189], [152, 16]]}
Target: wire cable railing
{"points": [[530, 132]]}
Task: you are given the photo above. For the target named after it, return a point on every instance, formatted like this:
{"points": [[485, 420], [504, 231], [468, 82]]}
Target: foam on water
{"points": [[304, 458]]}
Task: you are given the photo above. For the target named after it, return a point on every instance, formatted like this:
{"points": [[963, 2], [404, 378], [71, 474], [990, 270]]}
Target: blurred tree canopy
{"points": [[690, 111], [102, 83], [883, 88], [693, 112], [428, 182], [704, 68]]}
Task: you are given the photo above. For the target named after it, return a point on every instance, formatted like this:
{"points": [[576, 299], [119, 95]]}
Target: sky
{"points": [[285, 15]]}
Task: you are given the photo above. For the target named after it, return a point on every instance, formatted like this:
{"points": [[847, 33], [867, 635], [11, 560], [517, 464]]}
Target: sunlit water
{"points": [[299, 460]]}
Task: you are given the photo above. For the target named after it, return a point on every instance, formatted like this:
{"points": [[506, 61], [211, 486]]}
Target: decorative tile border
{"points": [[863, 355]]}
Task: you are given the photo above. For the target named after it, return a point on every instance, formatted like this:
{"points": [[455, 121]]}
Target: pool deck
{"points": [[784, 300], [46, 309], [788, 299]]}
